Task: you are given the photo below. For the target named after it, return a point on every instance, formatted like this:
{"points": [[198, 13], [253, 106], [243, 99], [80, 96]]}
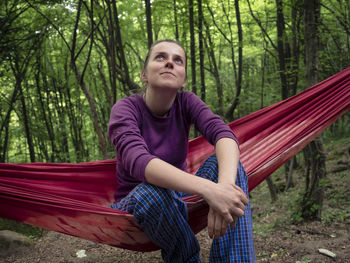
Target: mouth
{"points": [[168, 73]]}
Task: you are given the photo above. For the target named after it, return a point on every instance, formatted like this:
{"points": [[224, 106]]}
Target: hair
{"points": [[161, 41]]}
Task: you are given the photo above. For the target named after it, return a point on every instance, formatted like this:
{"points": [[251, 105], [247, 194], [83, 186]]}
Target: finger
{"points": [[233, 224], [243, 196], [245, 199], [224, 226], [238, 188], [237, 211], [217, 226], [211, 221]]}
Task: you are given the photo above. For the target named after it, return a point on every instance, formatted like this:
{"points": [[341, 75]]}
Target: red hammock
{"points": [[73, 198]]}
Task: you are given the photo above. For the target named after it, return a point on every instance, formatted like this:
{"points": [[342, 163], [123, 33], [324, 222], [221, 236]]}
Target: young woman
{"points": [[150, 133]]}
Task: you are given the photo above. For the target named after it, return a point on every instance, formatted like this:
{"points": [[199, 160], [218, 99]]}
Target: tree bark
{"points": [[280, 48], [45, 110], [5, 125], [125, 74], [230, 112], [314, 154], [149, 23], [215, 71], [272, 189], [193, 48], [201, 49], [176, 23], [26, 120], [111, 53]]}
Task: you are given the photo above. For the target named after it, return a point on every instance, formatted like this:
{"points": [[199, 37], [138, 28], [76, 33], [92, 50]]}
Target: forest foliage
{"points": [[64, 63]]}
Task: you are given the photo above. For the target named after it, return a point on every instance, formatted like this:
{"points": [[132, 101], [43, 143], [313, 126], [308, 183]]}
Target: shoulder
{"points": [[188, 97], [190, 100], [131, 103], [186, 94]]}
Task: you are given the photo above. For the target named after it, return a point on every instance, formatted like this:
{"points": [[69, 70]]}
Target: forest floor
{"points": [[277, 237]]}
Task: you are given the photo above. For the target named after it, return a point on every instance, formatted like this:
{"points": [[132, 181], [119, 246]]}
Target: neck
{"points": [[159, 102]]}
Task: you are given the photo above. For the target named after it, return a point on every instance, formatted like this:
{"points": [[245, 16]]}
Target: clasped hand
{"points": [[226, 203]]}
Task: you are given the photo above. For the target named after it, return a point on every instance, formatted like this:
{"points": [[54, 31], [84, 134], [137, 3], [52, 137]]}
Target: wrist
{"points": [[227, 178], [204, 187]]}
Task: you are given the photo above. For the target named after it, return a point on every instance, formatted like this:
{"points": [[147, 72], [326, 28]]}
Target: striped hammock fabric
{"points": [[73, 198]]}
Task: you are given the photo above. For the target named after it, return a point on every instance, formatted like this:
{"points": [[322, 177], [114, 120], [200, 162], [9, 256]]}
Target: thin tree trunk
{"points": [[230, 112], [149, 23], [111, 53], [105, 85], [215, 72], [314, 154], [289, 170], [176, 23], [45, 110], [26, 120], [125, 74], [201, 49], [280, 48], [5, 144], [5, 125], [272, 189], [193, 48]]}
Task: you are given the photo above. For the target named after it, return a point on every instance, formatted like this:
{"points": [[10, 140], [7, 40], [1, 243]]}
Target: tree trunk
{"points": [[201, 49], [314, 154], [193, 48], [111, 53], [280, 48], [289, 170], [94, 117], [230, 112], [149, 23], [176, 23], [125, 74], [45, 110], [272, 189], [215, 72], [5, 125], [26, 120], [3, 148]]}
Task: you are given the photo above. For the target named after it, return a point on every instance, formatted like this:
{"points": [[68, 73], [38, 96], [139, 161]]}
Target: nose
{"points": [[169, 64]]}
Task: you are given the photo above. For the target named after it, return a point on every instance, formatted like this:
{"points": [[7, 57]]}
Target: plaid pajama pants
{"points": [[162, 214]]}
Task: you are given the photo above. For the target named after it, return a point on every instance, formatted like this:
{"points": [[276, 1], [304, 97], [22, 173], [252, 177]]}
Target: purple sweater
{"points": [[139, 136]]}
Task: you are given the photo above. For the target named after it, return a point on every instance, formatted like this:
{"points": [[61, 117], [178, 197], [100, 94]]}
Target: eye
{"points": [[178, 61], [160, 57]]}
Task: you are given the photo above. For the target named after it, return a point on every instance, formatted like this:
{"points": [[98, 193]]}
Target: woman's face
{"points": [[166, 67]]}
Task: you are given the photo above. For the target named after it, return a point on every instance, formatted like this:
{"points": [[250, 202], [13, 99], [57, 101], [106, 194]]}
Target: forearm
{"points": [[227, 153], [160, 173]]}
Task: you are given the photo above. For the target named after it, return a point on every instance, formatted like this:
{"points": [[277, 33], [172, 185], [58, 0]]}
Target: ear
{"points": [[143, 76]]}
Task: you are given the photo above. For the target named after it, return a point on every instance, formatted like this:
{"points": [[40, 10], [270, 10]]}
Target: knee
{"points": [[209, 169], [151, 197]]}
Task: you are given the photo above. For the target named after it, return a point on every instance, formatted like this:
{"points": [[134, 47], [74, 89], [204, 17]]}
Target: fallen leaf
{"points": [[81, 253]]}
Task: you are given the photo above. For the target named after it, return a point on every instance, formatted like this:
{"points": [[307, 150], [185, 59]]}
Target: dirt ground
{"points": [[283, 244], [276, 237]]}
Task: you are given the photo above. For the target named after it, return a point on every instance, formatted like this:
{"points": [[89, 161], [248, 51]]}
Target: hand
{"points": [[217, 225], [226, 202]]}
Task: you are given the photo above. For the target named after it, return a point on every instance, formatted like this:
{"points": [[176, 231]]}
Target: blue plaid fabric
{"points": [[162, 214]]}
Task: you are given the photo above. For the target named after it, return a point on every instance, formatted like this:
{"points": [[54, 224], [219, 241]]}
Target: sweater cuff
{"points": [[226, 134]]}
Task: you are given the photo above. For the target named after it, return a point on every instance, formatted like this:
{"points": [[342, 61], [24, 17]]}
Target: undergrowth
{"points": [[268, 215]]}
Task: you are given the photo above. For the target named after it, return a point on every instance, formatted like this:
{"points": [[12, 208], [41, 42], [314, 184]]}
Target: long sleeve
{"points": [[124, 132]]}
